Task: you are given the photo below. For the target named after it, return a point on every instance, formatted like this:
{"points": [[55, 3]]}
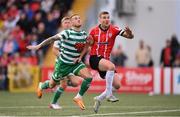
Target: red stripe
{"points": [[171, 82], [162, 81]]}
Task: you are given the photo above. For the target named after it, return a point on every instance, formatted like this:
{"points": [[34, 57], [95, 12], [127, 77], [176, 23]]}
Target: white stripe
{"points": [[63, 33], [69, 41], [66, 61], [176, 81], [167, 80], [77, 68], [71, 53], [106, 44], [68, 47], [121, 32], [99, 36], [145, 106], [67, 57], [132, 113], [77, 37], [157, 82]]}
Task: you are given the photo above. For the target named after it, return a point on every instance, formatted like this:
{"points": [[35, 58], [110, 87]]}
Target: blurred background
{"points": [[155, 24]]}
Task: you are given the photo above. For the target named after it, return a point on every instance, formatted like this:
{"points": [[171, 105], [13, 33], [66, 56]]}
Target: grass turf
{"points": [[26, 104]]}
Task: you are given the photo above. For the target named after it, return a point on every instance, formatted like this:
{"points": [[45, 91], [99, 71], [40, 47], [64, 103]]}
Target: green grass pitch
{"points": [[26, 104]]}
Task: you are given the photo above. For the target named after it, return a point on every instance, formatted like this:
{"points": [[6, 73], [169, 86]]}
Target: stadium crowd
{"points": [[24, 22]]}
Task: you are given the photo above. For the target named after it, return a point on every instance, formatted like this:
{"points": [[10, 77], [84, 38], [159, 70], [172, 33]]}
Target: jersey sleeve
{"points": [[118, 31], [64, 34], [57, 44]]}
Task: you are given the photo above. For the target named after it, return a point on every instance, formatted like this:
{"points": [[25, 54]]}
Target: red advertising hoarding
{"points": [[133, 80]]}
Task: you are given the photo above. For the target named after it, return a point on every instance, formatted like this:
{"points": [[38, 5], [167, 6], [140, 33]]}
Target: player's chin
{"points": [[78, 25]]}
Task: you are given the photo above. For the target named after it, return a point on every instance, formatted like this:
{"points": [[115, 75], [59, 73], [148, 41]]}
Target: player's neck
{"points": [[104, 28], [76, 28]]}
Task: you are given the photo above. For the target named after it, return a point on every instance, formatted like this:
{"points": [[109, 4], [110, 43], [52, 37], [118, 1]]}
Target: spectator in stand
{"points": [[151, 62], [119, 57], [10, 45], [42, 34], [50, 24], [28, 12], [4, 61], [24, 23], [4, 34], [166, 55], [36, 20], [17, 33], [46, 5], [2, 77], [142, 55], [39, 53], [177, 60], [175, 47]]}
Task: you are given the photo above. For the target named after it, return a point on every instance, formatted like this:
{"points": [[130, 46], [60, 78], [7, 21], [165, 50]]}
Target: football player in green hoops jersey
{"points": [[71, 80], [69, 61]]}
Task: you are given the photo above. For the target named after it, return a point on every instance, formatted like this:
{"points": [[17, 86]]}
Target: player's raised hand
{"points": [[128, 30], [33, 47], [128, 33]]}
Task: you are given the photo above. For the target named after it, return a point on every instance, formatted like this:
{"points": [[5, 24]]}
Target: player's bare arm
{"points": [[128, 33], [45, 42]]}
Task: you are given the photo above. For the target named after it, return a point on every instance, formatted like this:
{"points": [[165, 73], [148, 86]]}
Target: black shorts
{"points": [[94, 63]]}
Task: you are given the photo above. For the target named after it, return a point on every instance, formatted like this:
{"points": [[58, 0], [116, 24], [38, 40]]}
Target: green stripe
{"points": [[67, 49], [67, 62], [72, 53], [65, 58], [67, 32], [69, 44], [77, 40], [63, 36]]}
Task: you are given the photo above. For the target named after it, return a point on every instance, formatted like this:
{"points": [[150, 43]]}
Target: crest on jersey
{"points": [[110, 35]]}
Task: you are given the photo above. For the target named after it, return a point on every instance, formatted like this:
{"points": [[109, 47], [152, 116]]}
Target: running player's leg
{"points": [[116, 86], [45, 85], [56, 77], [71, 80], [116, 81], [106, 65], [57, 94], [83, 72]]}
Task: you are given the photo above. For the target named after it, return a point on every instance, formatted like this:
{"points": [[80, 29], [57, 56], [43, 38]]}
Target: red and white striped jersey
{"points": [[104, 40]]}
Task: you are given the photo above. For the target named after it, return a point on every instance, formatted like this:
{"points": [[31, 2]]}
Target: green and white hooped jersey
{"points": [[69, 49]]}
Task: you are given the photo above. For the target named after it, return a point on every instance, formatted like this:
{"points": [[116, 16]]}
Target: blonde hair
{"points": [[65, 18]]}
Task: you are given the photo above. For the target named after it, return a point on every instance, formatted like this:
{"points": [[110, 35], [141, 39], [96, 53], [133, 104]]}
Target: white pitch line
{"points": [[131, 113], [29, 107]]}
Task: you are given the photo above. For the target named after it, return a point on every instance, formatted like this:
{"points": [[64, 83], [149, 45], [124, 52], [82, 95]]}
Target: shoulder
{"points": [[114, 27], [94, 29], [84, 32]]}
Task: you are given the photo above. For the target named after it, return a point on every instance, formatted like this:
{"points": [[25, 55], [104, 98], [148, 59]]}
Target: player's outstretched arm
{"points": [[128, 33], [45, 42]]}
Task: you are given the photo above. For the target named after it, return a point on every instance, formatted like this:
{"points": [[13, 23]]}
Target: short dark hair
{"points": [[103, 13]]}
